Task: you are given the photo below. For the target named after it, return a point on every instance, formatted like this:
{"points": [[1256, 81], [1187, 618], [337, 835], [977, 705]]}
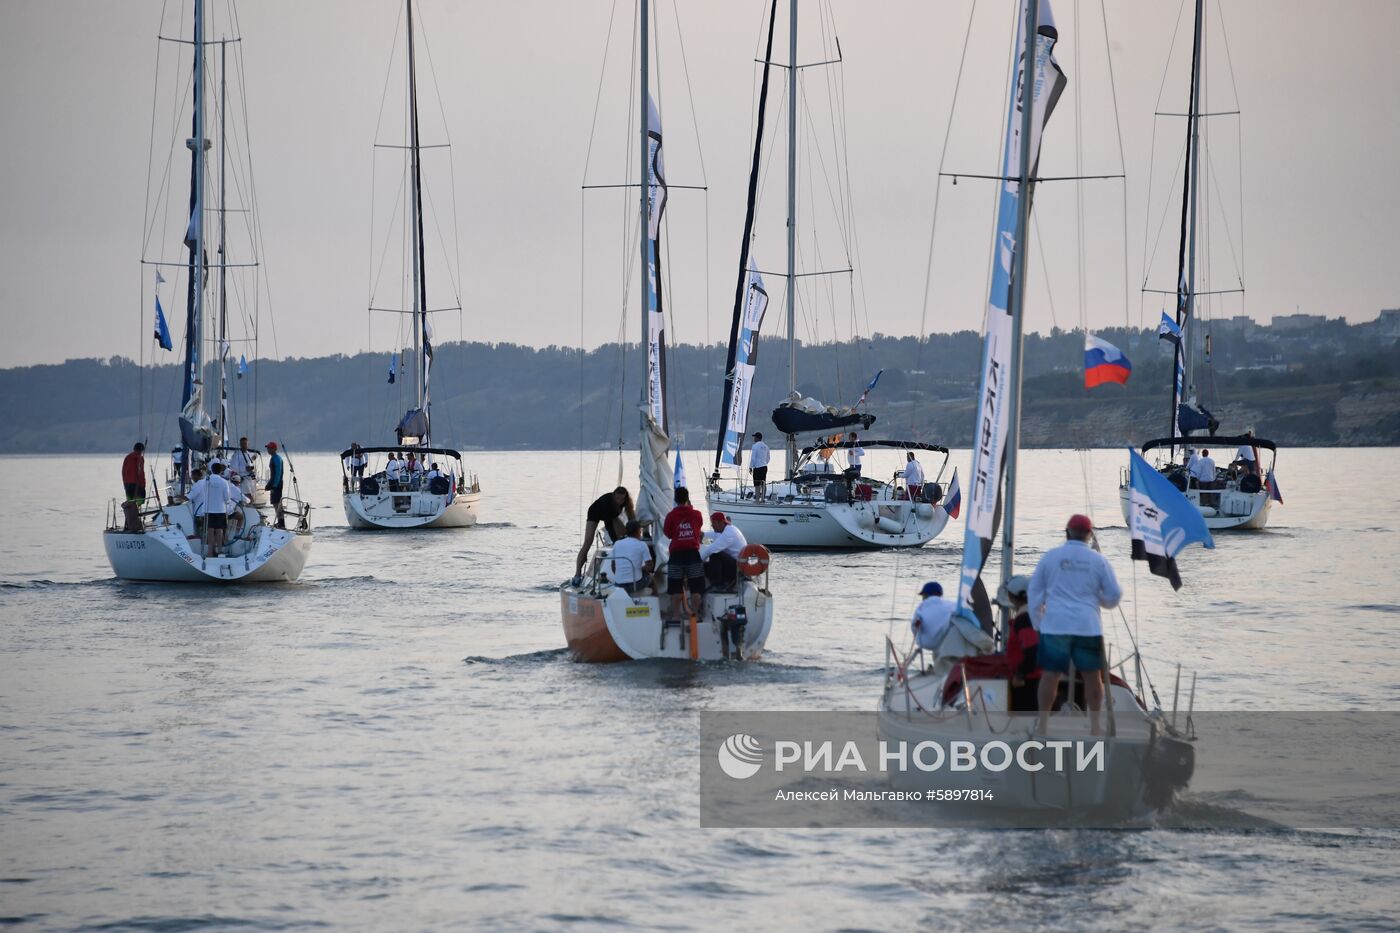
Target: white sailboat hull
{"points": [[398, 511], [167, 553], [1142, 766], [609, 625], [810, 523]]}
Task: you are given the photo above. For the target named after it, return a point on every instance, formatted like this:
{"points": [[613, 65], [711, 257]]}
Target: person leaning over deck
{"points": [[759, 455], [933, 616], [721, 553], [134, 474], [685, 527], [632, 563], [606, 510], [1070, 584]]}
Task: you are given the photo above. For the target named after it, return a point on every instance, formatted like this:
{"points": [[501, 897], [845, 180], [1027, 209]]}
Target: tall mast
{"points": [[420, 287], [1186, 261], [197, 145], [1018, 286], [643, 177], [223, 242], [792, 219]]}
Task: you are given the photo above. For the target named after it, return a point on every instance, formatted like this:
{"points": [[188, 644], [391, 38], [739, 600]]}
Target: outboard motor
{"points": [[732, 625], [1170, 764]]}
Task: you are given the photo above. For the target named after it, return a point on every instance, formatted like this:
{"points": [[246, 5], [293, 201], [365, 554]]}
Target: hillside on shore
{"points": [[1302, 381]]}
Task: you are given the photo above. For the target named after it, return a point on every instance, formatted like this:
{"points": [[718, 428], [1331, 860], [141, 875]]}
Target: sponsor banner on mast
{"points": [[994, 390], [655, 313], [745, 361]]}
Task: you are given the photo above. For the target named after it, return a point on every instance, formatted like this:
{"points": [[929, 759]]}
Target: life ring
{"points": [[753, 560]]}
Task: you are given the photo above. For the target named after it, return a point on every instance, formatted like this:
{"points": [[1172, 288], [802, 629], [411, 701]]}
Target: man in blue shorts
{"points": [[1070, 584]]}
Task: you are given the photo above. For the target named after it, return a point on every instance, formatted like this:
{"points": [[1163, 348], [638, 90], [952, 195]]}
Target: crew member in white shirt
{"points": [[221, 498], [914, 478], [393, 471], [759, 455], [1245, 458], [1070, 585], [195, 497], [1203, 470], [242, 460], [631, 564], [855, 455], [721, 552], [933, 617]]}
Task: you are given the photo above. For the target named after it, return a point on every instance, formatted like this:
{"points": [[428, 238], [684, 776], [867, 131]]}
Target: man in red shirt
{"points": [[134, 474], [684, 526]]}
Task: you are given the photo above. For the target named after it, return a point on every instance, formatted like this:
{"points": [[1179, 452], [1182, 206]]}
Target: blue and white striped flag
{"points": [[162, 333], [1168, 329], [1161, 521]]}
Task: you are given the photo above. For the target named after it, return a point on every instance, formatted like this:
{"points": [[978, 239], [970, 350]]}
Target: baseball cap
{"points": [[1079, 523], [931, 588], [718, 517], [271, 445]]}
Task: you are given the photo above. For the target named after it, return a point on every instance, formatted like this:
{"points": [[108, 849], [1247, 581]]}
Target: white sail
{"points": [[655, 313]]}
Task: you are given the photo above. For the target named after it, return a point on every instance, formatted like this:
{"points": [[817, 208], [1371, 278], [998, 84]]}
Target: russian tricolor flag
{"points": [[952, 503], [1103, 362], [1271, 485]]}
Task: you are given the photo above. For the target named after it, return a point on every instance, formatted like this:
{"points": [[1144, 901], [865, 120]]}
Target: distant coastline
{"points": [[1302, 380]]}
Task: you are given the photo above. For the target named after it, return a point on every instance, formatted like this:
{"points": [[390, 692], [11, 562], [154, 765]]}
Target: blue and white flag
{"points": [[393, 368], [162, 333], [872, 384], [242, 366], [1035, 61], [739, 380], [1169, 329], [1161, 521], [679, 478], [160, 279]]}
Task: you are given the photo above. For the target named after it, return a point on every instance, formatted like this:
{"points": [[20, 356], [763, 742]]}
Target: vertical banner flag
{"points": [[162, 333], [745, 359], [393, 368], [1161, 521], [242, 366], [989, 436], [655, 314], [952, 503], [427, 355], [1103, 362]]}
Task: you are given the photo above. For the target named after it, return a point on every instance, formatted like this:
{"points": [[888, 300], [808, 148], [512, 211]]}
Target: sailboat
{"points": [[812, 507], [1241, 490], [417, 485], [603, 622], [961, 693], [167, 539]]}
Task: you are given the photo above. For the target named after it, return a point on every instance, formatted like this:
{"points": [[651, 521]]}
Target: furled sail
{"points": [[798, 415], [750, 299], [656, 318], [743, 358], [1186, 254], [994, 391]]}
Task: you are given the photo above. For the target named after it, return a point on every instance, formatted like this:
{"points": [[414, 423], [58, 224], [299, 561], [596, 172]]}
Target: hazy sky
{"points": [[1318, 84]]}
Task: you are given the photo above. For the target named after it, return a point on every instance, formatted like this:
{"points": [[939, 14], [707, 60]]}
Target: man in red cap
{"points": [[721, 552], [274, 481], [1070, 585]]}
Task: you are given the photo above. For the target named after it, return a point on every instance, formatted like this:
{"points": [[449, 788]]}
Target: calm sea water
{"points": [[398, 741]]}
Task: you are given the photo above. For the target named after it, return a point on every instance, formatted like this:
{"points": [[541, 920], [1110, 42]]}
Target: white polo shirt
{"points": [[1070, 584], [913, 474], [628, 557], [729, 541], [931, 621]]}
